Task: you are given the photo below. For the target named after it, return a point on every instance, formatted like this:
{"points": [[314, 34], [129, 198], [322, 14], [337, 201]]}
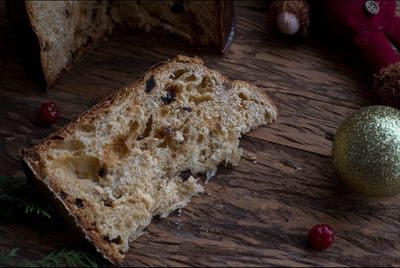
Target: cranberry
{"points": [[321, 236], [49, 113]]}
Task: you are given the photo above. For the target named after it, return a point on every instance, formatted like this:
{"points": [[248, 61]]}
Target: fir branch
{"points": [[11, 190], [13, 183], [62, 258], [6, 258], [66, 258], [34, 208], [29, 206]]}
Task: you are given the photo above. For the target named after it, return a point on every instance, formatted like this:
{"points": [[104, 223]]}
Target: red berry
{"points": [[49, 113], [321, 236]]}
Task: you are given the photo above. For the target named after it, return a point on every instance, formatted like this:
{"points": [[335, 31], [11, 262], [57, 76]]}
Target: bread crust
{"points": [[35, 167]]}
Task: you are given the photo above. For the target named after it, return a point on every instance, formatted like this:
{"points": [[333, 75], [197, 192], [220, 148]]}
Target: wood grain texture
{"points": [[255, 214]]}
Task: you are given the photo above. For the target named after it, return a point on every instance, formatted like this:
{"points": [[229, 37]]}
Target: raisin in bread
{"points": [[132, 156], [55, 34]]}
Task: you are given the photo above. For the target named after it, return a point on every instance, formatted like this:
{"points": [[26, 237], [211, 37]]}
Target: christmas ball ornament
{"points": [[366, 151]]}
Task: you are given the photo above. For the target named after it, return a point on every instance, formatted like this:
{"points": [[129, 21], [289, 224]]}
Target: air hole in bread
{"points": [[173, 92], [186, 174], [83, 166], [164, 111], [204, 82], [169, 141], [243, 96], [117, 240], [147, 130], [179, 89], [216, 131], [199, 99], [200, 139], [190, 78], [70, 145], [87, 128], [189, 88], [205, 85], [56, 137], [186, 129], [119, 146], [178, 73], [164, 144], [133, 127], [77, 153], [108, 202]]}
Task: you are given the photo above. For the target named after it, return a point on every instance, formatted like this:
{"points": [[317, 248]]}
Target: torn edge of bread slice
{"points": [[133, 156]]}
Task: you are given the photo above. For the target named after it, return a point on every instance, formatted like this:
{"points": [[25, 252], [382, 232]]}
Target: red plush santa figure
{"points": [[371, 25]]}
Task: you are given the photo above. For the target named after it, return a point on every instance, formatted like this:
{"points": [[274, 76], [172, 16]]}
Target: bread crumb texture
{"points": [[133, 156]]}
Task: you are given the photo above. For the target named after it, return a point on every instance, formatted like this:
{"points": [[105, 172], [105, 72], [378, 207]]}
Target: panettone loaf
{"points": [[55, 34], [135, 155]]}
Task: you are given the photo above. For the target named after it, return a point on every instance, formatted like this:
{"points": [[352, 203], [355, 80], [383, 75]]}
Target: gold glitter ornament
{"points": [[366, 151]]}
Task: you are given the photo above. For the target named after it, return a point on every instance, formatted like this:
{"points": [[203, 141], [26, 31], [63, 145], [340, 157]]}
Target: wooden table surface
{"points": [[254, 214]]}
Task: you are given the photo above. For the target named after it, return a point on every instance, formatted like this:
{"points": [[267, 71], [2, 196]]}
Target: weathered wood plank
{"points": [[253, 214]]}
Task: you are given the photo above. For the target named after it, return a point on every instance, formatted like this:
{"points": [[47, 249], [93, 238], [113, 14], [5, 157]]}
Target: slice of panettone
{"points": [[132, 156]]}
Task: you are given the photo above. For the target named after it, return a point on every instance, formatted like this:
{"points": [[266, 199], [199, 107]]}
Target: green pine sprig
{"points": [[66, 258], [32, 208], [61, 258], [15, 191], [7, 257], [9, 182]]}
